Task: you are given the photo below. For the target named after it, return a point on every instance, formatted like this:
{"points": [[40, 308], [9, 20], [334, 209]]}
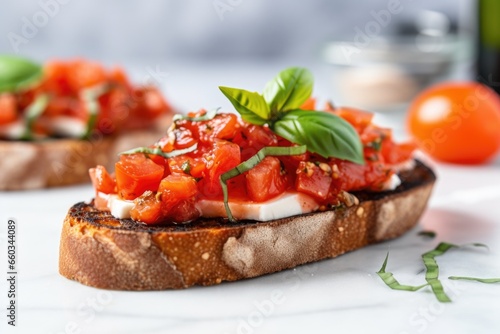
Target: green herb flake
{"points": [[186, 167]]}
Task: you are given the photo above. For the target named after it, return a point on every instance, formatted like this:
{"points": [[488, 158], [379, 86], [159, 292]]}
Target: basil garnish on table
{"points": [[279, 107]]}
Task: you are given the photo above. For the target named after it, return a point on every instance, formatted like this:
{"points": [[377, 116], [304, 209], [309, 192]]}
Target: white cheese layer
{"points": [[120, 208], [14, 130], [286, 205], [67, 126]]}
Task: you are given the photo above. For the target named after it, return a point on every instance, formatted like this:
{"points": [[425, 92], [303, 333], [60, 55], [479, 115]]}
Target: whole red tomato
{"points": [[457, 122]]}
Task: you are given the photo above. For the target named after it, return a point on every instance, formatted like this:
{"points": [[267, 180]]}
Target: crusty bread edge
{"points": [[115, 258], [60, 162]]}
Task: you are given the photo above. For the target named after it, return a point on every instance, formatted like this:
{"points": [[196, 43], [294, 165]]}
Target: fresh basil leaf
{"points": [[323, 133], [17, 73], [288, 90], [251, 105]]}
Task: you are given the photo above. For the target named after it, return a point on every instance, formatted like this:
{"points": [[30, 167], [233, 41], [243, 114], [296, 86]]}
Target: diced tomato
{"points": [[252, 138], [224, 156], [313, 180], [396, 153], [147, 208], [310, 104], [184, 164], [349, 176], [357, 118], [222, 126], [373, 133], [8, 108], [118, 75], [84, 74], [135, 174], [178, 198], [183, 139], [266, 180], [149, 103], [102, 180]]}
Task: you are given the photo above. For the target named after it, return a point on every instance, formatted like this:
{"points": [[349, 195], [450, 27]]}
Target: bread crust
{"points": [[101, 251], [60, 162]]}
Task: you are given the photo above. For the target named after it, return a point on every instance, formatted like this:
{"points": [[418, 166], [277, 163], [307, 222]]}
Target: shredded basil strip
{"points": [[90, 96], [251, 163], [34, 110], [392, 283], [429, 234], [432, 270], [208, 116], [481, 280], [158, 151]]}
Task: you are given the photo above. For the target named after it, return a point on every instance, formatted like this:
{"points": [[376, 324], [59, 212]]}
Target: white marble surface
{"points": [[342, 295]]}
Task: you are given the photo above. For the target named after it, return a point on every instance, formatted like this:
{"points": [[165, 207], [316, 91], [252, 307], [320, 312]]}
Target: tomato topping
{"points": [[187, 165], [178, 198], [349, 176], [147, 208], [313, 179], [121, 106], [266, 180], [8, 108], [357, 118], [135, 174], [223, 157], [168, 189], [102, 181]]}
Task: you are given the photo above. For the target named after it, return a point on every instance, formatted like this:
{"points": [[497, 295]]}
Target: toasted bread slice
{"points": [[102, 251], [59, 162]]}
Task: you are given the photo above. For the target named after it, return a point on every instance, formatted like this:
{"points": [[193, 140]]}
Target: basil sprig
{"points": [[17, 73], [279, 107]]}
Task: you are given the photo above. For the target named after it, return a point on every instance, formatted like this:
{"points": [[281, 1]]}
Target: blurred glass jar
{"points": [[383, 73]]}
